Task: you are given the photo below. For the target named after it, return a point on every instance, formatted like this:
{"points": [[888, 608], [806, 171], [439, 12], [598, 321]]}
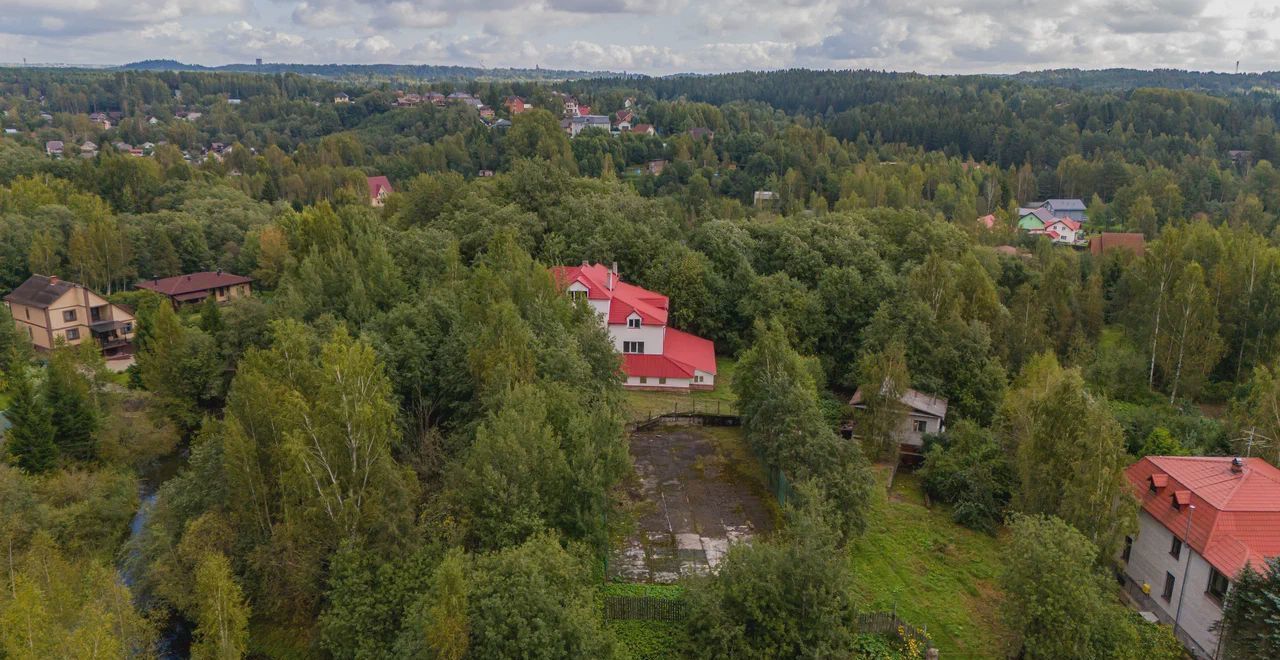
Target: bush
{"points": [[970, 470]]}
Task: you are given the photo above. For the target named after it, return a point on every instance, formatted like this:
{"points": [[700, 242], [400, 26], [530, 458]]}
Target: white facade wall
{"points": [[703, 379], [1149, 561], [675, 383], [651, 335]]}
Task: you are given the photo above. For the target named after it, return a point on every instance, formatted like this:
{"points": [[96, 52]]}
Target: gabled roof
{"points": [[928, 404], [1073, 225], [1109, 241], [39, 291], [1065, 204], [180, 285], [988, 221], [624, 298], [1042, 214], [1237, 515], [379, 185]]}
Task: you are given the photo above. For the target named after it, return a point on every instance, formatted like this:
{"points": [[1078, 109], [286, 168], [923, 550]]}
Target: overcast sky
{"points": [[656, 36]]}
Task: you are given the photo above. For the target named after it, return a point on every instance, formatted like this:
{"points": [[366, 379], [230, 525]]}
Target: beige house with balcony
{"points": [[47, 309]]}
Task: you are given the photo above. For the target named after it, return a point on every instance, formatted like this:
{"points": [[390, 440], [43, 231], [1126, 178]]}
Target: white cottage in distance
{"points": [[654, 356]]}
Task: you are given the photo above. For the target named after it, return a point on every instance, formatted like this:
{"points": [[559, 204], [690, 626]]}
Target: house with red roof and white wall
{"points": [[379, 189], [1202, 518], [654, 355]]}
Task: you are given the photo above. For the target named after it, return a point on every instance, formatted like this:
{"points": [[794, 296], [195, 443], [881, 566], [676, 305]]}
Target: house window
{"points": [[1167, 594], [1175, 550], [698, 379], [662, 381], [73, 334], [919, 425], [643, 380], [632, 347], [633, 322], [578, 295], [1218, 584], [69, 315]]}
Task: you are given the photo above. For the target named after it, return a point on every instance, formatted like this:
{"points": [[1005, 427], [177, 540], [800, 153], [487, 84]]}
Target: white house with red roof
{"points": [[1063, 230], [654, 356], [1202, 519], [379, 189]]}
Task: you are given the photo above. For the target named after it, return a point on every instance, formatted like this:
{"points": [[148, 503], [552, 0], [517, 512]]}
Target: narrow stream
{"points": [[174, 642]]}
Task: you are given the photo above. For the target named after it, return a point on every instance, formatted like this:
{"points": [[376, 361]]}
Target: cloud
{"points": [[661, 36]]}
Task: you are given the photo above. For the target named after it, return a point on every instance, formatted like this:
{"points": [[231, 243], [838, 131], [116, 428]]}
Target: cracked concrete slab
{"points": [[696, 507]]}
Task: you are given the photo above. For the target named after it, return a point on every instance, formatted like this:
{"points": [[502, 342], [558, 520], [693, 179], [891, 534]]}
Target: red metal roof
{"points": [[379, 185], [184, 284], [691, 350], [1237, 514], [654, 366], [624, 299]]}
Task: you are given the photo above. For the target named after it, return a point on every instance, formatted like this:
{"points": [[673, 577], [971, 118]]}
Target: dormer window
{"points": [[633, 322], [1158, 481], [577, 295], [1181, 498]]}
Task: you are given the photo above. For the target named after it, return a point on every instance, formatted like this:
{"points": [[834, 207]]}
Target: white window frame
{"points": [[633, 322], [633, 347]]}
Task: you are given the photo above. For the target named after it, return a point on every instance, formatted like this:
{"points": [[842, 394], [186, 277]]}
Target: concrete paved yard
{"points": [[697, 492]]}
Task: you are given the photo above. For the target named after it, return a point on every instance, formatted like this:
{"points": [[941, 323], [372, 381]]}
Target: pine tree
{"points": [[30, 439], [1250, 625], [69, 399]]}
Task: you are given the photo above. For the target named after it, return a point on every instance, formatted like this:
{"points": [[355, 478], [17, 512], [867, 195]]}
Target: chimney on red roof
{"points": [[1237, 465], [53, 279]]}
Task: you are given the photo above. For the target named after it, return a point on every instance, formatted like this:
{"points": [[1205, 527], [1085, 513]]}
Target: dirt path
{"points": [[695, 504]]}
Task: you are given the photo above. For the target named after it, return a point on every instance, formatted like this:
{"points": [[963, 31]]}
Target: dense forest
{"points": [[410, 443]]}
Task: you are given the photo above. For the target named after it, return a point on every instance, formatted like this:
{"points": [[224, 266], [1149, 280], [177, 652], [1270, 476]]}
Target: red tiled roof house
{"points": [[1202, 519], [194, 288], [654, 356], [379, 189]]}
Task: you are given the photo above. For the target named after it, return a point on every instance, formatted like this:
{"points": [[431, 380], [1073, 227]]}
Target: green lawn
{"points": [[938, 574], [642, 405]]}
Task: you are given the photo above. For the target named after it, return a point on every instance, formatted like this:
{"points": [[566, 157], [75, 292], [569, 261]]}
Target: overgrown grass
{"points": [[643, 639], [641, 405], [934, 572]]}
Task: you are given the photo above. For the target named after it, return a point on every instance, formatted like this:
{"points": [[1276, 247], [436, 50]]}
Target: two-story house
{"points": [[46, 309], [1202, 519], [196, 287], [654, 356]]}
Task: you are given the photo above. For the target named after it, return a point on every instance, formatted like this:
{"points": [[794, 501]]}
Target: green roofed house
{"points": [[1034, 219]]}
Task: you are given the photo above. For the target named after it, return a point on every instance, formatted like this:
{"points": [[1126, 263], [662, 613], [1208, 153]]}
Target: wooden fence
{"points": [[888, 623]]}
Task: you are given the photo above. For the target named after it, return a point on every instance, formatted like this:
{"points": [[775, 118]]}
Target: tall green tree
{"points": [[30, 439], [1057, 604], [222, 619], [1069, 453], [883, 380], [534, 601], [1250, 625], [69, 395], [787, 597]]}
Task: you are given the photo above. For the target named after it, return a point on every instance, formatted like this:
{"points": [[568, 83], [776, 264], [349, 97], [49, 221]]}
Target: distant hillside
{"points": [[410, 71], [1124, 79]]}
